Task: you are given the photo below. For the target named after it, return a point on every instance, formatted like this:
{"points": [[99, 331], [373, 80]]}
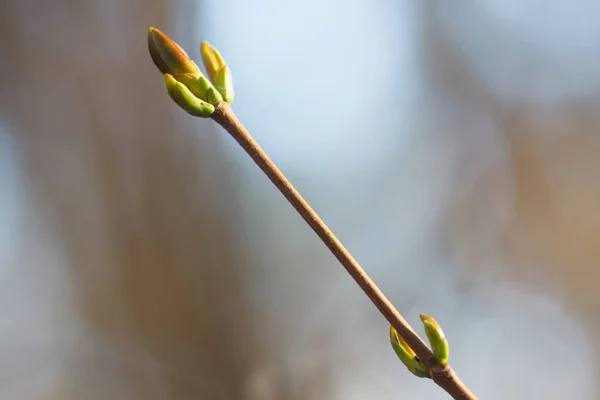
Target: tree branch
{"points": [[444, 376]]}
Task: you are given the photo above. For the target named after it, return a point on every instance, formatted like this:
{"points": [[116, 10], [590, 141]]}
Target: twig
{"points": [[444, 376]]}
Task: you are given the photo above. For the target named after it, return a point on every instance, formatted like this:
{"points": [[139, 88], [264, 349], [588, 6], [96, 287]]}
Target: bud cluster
{"points": [[185, 83]]}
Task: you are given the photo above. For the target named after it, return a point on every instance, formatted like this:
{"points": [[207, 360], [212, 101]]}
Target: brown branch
{"points": [[444, 376]]}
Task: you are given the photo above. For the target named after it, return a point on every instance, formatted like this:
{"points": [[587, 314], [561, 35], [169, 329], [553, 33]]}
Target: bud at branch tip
{"points": [[437, 339]]}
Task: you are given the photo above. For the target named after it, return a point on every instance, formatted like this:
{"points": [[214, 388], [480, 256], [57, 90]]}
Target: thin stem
{"points": [[444, 376]]}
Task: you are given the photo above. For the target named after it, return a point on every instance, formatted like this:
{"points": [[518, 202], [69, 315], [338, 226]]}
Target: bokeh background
{"points": [[453, 146]]}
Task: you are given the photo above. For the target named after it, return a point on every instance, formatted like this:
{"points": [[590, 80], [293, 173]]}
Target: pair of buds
{"points": [[185, 83], [437, 340]]}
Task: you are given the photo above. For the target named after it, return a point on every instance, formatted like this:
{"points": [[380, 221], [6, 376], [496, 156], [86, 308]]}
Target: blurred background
{"points": [[452, 146]]}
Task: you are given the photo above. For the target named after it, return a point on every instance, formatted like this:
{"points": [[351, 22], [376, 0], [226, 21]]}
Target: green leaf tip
{"points": [[213, 96], [212, 60], [185, 99], [168, 56], [407, 355], [224, 83], [197, 85], [437, 339]]}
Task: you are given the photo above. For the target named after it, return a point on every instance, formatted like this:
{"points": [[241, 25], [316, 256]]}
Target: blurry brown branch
{"points": [[443, 375]]}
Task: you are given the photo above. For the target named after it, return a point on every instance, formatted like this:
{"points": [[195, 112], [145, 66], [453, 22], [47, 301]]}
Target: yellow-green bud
{"points": [[213, 96], [407, 355], [212, 60], [197, 85], [224, 83], [437, 339], [185, 99]]}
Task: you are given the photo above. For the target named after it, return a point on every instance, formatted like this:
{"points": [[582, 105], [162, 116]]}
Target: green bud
{"points": [[186, 99], [213, 96], [437, 339], [224, 83], [212, 60], [407, 355], [198, 85], [168, 57]]}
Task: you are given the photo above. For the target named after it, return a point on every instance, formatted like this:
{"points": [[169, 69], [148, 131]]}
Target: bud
{"points": [[186, 100], [213, 96], [212, 60], [224, 83], [168, 56], [207, 87], [437, 339], [197, 85], [407, 355]]}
